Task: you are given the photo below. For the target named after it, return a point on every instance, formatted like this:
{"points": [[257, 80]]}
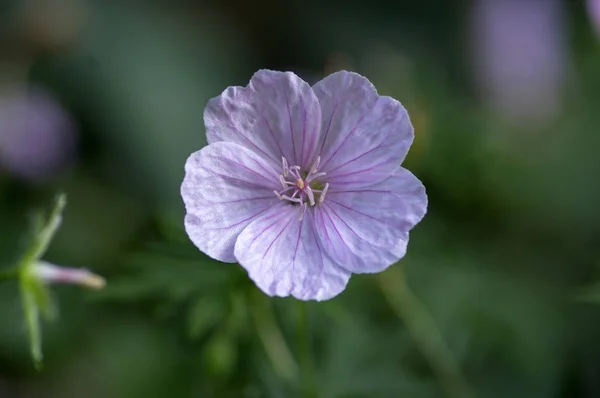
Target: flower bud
{"points": [[51, 273]]}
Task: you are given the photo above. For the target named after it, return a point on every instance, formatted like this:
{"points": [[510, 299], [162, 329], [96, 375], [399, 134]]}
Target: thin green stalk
{"points": [[307, 378], [272, 339], [421, 325]]}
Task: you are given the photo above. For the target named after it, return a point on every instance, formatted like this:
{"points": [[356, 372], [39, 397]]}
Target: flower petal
{"points": [[366, 229], [365, 137], [226, 186], [284, 256], [276, 115]]}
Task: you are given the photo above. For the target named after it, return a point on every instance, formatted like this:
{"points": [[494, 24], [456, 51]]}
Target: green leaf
{"points": [[43, 298], [35, 295], [32, 321], [221, 354], [46, 232], [204, 314]]}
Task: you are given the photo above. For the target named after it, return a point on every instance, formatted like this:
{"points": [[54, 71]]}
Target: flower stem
{"points": [[272, 339], [305, 353], [422, 327]]}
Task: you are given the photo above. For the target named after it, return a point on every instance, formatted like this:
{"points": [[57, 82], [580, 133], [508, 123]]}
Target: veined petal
{"points": [[284, 256], [364, 136], [226, 186], [276, 115], [366, 229]]}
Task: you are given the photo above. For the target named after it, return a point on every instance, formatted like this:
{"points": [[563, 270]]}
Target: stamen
{"points": [[311, 195], [285, 184], [298, 182], [302, 210], [322, 196], [291, 199], [295, 171], [315, 166], [314, 176], [286, 168]]}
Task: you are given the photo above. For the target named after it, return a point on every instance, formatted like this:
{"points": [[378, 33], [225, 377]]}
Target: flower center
{"points": [[300, 188]]}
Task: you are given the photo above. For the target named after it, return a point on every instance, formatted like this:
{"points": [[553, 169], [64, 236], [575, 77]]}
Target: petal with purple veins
{"points": [[277, 115], [226, 187], [365, 137], [284, 256], [366, 229]]}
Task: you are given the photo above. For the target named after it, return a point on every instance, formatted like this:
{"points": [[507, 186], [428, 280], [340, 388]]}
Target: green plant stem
{"points": [[421, 325], [305, 353], [272, 339]]}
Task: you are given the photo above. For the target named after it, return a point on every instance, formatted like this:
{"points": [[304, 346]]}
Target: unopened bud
{"points": [[51, 273]]}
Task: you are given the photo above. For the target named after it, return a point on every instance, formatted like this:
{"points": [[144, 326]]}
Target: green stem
{"points": [[305, 353], [421, 325], [272, 339]]}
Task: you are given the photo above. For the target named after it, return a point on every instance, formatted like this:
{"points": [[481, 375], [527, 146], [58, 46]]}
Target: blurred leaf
{"points": [[220, 354], [32, 320], [100, 222], [205, 313], [589, 294], [34, 293], [151, 274]]}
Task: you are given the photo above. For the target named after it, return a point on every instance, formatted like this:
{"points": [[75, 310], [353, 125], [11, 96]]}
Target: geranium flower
{"points": [[520, 57], [37, 136], [303, 186], [593, 7]]}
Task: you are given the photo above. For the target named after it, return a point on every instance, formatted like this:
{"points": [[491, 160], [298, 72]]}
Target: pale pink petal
{"points": [[366, 229], [226, 186], [277, 115], [284, 256], [365, 137]]}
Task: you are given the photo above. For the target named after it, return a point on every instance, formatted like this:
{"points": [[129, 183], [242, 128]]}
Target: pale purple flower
{"points": [[520, 56], [302, 185], [593, 7], [37, 135]]}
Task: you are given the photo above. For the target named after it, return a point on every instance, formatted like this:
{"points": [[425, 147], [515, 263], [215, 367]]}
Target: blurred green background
{"points": [[104, 101]]}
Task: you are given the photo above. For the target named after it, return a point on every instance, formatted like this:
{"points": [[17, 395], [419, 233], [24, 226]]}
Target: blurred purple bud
{"points": [[51, 273], [520, 56], [37, 136], [593, 7]]}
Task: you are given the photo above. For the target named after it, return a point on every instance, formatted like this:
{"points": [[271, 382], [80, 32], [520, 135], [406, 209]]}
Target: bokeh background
{"points": [[104, 100]]}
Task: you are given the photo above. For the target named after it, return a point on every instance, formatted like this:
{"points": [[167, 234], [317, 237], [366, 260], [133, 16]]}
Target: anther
{"points": [[278, 195], [300, 183], [315, 165], [311, 196], [295, 171], [302, 210], [322, 196], [314, 176], [286, 168]]}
